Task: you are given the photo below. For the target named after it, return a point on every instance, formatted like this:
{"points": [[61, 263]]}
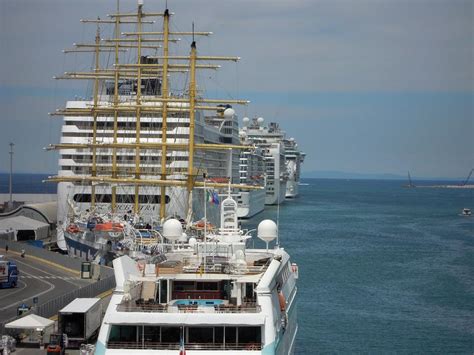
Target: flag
{"points": [[215, 198]]}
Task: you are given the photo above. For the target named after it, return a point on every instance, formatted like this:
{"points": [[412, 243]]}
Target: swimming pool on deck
{"points": [[190, 302]]}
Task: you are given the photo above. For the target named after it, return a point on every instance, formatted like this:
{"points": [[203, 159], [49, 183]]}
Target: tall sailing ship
{"points": [[138, 152]]}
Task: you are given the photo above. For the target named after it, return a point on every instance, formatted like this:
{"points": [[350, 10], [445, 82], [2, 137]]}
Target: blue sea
{"points": [[383, 269]]}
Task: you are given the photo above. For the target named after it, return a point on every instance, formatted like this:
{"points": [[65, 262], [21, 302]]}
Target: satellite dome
{"points": [[184, 237], [245, 121], [229, 113], [172, 229], [267, 230], [260, 120], [192, 241]]}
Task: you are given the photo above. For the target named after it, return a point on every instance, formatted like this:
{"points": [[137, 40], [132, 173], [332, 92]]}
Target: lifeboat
{"points": [[219, 180], [109, 226], [200, 225]]}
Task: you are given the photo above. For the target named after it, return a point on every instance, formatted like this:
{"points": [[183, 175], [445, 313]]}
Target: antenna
{"points": [[278, 224], [193, 31], [11, 174]]}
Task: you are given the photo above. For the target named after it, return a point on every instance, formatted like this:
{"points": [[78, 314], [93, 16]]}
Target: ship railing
{"points": [[151, 307], [150, 345]]}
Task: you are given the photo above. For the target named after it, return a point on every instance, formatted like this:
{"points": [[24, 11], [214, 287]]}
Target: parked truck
{"points": [[80, 321], [8, 273]]}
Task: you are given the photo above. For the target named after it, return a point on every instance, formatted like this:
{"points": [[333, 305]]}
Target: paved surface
{"points": [[38, 278]]}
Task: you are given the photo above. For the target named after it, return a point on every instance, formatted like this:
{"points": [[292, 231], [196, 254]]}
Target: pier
{"points": [[47, 282]]}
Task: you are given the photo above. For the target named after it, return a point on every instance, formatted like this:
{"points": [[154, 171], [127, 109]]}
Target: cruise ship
{"points": [[213, 295], [138, 152], [293, 160], [270, 140], [252, 172]]}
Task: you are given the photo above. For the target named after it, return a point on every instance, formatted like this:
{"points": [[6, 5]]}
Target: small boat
{"points": [[466, 212]]}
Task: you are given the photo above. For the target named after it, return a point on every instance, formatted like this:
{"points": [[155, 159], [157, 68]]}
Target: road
{"points": [[37, 278]]}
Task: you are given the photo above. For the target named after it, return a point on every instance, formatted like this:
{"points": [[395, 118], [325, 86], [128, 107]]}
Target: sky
{"points": [[366, 86]]}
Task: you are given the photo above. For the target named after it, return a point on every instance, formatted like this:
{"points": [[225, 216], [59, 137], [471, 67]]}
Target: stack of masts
{"points": [[143, 104]]}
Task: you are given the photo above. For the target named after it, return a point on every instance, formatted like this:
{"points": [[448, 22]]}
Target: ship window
{"points": [[230, 335], [170, 334], [249, 335], [107, 198], [151, 334], [201, 335], [126, 333], [219, 335]]}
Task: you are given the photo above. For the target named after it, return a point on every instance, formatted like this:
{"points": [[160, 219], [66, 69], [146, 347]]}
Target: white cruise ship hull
{"points": [[250, 203], [291, 189]]}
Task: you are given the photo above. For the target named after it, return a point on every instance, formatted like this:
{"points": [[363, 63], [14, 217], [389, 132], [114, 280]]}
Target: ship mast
{"points": [[192, 104], [94, 126], [164, 126], [136, 206], [144, 105], [116, 98]]}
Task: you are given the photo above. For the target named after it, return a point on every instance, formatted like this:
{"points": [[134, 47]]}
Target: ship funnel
{"points": [[172, 229], [267, 231]]}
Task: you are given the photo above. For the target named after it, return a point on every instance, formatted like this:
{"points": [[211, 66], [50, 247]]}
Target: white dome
{"points": [[245, 121], [242, 134], [192, 241], [229, 113], [267, 230], [172, 229], [184, 237], [260, 120]]}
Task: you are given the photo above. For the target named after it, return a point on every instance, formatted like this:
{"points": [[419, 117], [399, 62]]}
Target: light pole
{"points": [[11, 175]]}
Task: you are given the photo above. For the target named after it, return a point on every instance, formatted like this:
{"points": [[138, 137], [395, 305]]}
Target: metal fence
{"points": [[52, 307]]}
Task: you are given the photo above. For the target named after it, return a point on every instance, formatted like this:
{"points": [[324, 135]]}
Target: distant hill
{"points": [[368, 176]]}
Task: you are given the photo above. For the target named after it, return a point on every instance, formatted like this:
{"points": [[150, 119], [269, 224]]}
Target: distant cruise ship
{"points": [[294, 158], [252, 172], [282, 159]]}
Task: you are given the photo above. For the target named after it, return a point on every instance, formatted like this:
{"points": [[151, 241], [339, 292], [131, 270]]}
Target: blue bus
{"points": [[8, 273]]}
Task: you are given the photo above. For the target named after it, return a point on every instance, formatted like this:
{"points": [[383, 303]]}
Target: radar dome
{"points": [[192, 241], [260, 120], [267, 230], [245, 121], [172, 229], [229, 113]]}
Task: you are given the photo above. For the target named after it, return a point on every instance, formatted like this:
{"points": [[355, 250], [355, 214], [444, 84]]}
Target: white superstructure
{"points": [[77, 130], [293, 160], [252, 172], [270, 140], [210, 296]]}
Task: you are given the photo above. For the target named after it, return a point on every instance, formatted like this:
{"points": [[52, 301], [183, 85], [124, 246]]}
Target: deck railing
{"points": [[147, 345], [151, 307]]}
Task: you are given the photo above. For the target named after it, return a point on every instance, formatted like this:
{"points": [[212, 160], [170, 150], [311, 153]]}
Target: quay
{"points": [[47, 282]]}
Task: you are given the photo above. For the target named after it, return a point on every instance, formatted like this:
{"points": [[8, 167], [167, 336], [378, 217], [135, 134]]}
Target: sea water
{"points": [[383, 269]]}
